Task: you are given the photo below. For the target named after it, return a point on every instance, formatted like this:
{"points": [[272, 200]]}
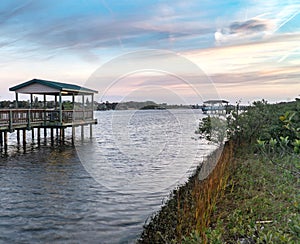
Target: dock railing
{"points": [[17, 118]]}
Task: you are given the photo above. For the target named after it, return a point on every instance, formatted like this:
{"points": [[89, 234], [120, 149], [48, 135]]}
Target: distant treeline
{"points": [[132, 105]]}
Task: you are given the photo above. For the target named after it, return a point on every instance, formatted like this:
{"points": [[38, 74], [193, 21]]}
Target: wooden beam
{"points": [[39, 135], [32, 134], [45, 101], [83, 109], [55, 102], [73, 135], [52, 136], [17, 100], [31, 100], [29, 119], [1, 139], [45, 107], [24, 137], [18, 137], [92, 105], [10, 120], [5, 141], [62, 135], [82, 132], [91, 131], [60, 108]]}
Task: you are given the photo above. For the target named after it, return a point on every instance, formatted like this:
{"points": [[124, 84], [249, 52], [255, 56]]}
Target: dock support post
{"points": [[62, 135], [10, 120], [57, 134], [73, 135], [39, 135], [82, 132], [91, 131], [1, 139], [32, 134], [60, 108], [24, 137], [18, 137], [45, 132], [5, 141], [52, 136]]}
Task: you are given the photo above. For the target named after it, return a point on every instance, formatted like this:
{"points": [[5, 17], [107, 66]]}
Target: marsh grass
{"points": [[191, 205], [260, 205]]}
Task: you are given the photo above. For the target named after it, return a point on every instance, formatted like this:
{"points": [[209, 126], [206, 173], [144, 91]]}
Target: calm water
{"points": [[101, 191]]}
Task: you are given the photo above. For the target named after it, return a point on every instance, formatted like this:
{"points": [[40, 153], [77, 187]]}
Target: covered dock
{"points": [[215, 106], [39, 115]]}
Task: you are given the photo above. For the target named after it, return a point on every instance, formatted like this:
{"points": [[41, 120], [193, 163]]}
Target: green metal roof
{"points": [[56, 85]]}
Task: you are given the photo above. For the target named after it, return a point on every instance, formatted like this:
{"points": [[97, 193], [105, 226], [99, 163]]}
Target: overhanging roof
{"points": [[58, 86], [216, 101]]}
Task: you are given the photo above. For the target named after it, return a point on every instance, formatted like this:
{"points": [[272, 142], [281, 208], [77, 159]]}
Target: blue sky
{"points": [[248, 49]]}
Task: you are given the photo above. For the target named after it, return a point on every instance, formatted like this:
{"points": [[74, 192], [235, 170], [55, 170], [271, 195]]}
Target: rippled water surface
{"points": [[104, 189]]}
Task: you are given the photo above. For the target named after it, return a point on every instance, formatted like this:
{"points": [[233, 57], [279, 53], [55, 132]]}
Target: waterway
{"points": [[102, 190]]}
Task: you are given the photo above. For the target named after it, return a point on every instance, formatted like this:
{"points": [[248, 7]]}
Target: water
{"points": [[101, 191]]}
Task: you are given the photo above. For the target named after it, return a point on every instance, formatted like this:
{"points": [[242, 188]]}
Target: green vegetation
{"points": [[261, 200], [212, 129], [251, 195]]}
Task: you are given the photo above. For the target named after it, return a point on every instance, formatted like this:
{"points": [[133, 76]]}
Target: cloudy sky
{"points": [[243, 50]]}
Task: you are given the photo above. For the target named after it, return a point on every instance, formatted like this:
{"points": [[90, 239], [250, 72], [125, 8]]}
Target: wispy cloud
{"points": [[239, 31], [250, 43]]}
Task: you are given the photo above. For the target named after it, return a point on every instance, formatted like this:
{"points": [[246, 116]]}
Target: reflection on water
{"points": [[52, 195]]}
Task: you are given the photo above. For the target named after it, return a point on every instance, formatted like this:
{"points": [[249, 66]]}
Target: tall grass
{"points": [[191, 205]]}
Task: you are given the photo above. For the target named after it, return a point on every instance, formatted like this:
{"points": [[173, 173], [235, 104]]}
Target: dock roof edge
{"points": [[56, 85]]}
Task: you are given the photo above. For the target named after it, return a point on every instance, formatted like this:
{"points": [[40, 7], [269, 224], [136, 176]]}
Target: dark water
{"points": [[101, 191]]}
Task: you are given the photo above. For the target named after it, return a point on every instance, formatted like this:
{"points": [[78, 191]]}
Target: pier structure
{"points": [[40, 117], [215, 107]]}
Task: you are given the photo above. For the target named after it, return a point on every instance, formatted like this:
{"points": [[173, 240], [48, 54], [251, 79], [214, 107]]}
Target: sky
{"points": [[165, 51]]}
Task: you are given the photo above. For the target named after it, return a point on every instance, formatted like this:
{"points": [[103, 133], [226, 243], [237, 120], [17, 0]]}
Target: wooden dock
{"points": [[12, 120], [56, 119]]}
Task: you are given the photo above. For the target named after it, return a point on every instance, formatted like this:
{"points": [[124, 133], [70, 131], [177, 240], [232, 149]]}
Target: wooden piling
{"points": [[18, 137], [62, 135], [73, 135], [24, 137], [1, 139], [91, 131], [5, 141], [82, 132], [52, 136], [39, 135], [32, 134]]}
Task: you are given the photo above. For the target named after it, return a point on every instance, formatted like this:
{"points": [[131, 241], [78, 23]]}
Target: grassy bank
{"points": [[251, 196], [260, 204], [261, 200]]}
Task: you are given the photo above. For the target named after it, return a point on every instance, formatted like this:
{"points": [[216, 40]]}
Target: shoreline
{"points": [[190, 204]]}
